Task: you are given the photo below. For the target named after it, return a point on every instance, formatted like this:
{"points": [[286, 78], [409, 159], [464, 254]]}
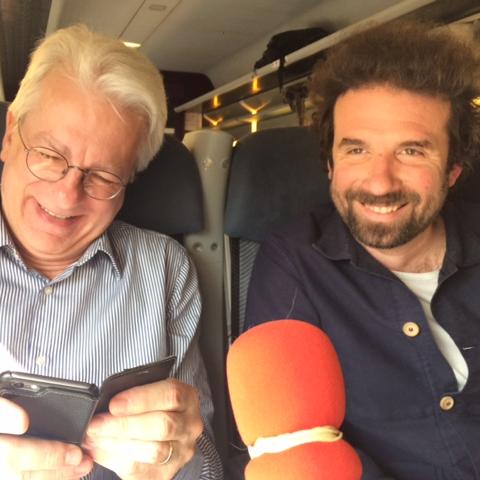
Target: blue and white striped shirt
{"points": [[132, 298]]}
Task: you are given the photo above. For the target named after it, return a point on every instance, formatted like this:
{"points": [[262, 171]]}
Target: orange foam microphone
{"points": [[288, 398]]}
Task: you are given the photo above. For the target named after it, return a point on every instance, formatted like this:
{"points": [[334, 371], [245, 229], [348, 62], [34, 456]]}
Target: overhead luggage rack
{"points": [[256, 97]]}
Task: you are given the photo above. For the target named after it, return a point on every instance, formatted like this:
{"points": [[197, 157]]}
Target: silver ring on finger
{"points": [[169, 456]]}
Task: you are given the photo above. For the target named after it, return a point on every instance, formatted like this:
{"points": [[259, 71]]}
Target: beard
{"points": [[385, 235]]}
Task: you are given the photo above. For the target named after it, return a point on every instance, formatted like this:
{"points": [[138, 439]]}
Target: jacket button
{"points": [[447, 403], [411, 329]]}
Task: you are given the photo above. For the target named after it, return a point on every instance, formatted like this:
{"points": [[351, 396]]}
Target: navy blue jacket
{"points": [[315, 271]]}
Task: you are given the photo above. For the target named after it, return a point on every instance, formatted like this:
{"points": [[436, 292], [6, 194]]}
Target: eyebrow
{"points": [[348, 142], [427, 144], [47, 140]]}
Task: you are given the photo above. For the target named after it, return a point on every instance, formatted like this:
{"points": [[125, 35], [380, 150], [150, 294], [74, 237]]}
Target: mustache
{"points": [[387, 199]]}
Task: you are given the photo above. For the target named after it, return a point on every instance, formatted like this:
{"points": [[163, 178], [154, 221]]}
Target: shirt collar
{"points": [[5, 238], [102, 245]]}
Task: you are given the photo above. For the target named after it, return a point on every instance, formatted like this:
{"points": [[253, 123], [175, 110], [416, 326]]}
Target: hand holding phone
{"points": [[133, 377], [22, 456], [163, 416], [62, 409], [13, 418], [57, 409]]}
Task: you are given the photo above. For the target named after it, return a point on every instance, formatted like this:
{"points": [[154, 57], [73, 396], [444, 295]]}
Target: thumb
{"points": [[13, 418]]}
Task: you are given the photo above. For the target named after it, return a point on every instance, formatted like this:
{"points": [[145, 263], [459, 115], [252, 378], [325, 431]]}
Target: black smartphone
{"points": [[133, 377], [58, 409], [62, 409]]}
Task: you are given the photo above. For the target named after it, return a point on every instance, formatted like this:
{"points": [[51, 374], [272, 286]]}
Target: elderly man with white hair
{"points": [[88, 295]]}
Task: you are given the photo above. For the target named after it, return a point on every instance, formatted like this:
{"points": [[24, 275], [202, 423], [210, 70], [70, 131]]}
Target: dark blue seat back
{"points": [[275, 175], [167, 196]]}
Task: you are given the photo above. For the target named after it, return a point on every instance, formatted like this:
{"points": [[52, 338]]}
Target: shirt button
{"points": [[48, 290], [41, 360], [447, 403], [411, 329]]}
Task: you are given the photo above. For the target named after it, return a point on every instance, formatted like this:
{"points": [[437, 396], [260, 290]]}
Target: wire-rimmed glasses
{"points": [[49, 165]]}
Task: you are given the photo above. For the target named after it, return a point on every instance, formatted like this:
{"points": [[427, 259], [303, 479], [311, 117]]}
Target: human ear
{"points": [[10, 123], [330, 167], [454, 173]]}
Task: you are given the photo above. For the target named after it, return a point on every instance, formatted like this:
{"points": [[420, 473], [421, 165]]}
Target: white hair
{"points": [[124, 75]]}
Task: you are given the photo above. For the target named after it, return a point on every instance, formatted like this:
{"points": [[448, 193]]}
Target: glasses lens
{"points": [[50, 166], [102, 185], [46, 164]]}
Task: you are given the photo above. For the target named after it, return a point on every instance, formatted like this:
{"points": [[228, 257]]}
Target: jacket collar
{"points": [[337, 243], [462, 225]]}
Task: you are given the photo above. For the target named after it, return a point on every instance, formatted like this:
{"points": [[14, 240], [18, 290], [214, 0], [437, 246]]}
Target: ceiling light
{"points": [[132, 44], [252, 110], [213, 121]]}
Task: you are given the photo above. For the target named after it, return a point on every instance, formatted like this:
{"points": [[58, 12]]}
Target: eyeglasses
{"points": [[49, 165]]}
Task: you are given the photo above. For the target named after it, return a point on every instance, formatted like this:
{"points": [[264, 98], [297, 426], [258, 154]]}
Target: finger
{"points": [[128, 467], [31, 454], [150, 426], [120, 463], [167, 395], [13, 418], [75, 473], [133, 450]]}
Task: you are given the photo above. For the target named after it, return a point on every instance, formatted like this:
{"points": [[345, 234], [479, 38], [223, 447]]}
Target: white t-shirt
{"points": [[423, 285]]}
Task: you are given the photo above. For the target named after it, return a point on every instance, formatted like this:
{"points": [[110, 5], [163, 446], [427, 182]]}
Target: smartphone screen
{"points": [[58, 409]]}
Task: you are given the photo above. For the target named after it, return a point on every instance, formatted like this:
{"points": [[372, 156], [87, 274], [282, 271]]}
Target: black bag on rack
{"points": [[287, 42]]}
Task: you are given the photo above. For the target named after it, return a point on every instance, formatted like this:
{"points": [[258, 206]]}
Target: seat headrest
{"points": [[167, 196], [3, 114], [275, 175]]}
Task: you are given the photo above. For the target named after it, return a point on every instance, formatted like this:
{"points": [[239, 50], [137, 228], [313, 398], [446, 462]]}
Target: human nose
{"points": [[70, 188], [382, 176]]}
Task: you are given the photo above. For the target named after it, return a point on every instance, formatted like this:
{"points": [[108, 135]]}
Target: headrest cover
{"points": [[167, 196], [275, 175], [3, 114]]}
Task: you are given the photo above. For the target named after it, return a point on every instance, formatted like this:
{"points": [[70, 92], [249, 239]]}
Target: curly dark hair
{"points": [[408, 55]]}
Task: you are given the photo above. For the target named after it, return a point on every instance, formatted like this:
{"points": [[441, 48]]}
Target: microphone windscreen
{"points": [[312, 461], [284, 376]]}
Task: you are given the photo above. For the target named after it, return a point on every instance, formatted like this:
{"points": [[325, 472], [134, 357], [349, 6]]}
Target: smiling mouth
{"points": [[54, 215], [383, 209]]}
